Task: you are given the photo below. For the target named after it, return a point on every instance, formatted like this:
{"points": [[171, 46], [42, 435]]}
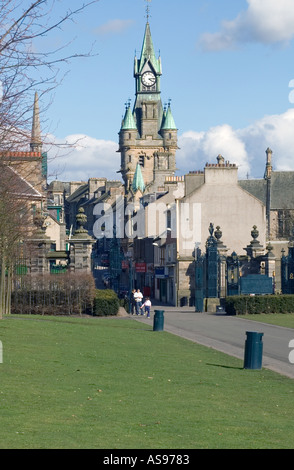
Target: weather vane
{"points": [[148, 9]]}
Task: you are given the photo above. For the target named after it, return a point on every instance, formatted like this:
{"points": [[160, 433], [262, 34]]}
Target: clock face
{"points": [[148, 79]]}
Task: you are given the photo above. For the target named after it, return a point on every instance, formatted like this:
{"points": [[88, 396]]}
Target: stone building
{"points": [[148, 134], [276, 192]]}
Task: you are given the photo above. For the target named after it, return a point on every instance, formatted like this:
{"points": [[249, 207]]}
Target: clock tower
{"points": [[148, 134]]}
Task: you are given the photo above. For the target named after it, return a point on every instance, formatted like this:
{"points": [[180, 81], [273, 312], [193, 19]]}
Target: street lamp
{"points": [[156, 239]]}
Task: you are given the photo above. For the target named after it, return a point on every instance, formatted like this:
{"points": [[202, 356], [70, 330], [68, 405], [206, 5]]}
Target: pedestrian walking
{"points": [[138, 296], [132, 302], [147, 306]]}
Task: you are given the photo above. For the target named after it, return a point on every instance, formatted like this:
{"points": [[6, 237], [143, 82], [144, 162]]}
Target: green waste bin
{"points": [[158, 320], [253, 350]]}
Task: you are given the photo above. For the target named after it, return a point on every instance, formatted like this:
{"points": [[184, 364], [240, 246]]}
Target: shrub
{"points": [[106, 303], [245, 304], [53, 294]]}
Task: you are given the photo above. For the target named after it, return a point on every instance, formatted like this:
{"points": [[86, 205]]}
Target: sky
{"points": [[228, 70]]}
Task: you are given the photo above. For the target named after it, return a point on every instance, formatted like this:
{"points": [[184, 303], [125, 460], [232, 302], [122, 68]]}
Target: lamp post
{"points": [[115, 259]]}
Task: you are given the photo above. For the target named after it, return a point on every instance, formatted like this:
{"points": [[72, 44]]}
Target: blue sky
{"points": [[227, 66]]}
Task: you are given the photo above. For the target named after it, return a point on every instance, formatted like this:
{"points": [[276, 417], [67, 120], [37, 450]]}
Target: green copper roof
{"points": [[128, 121], [138, 182], [169, 122], [148, 53]]}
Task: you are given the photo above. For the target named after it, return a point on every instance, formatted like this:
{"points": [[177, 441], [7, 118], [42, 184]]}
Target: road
{"points": [[228, 334]]}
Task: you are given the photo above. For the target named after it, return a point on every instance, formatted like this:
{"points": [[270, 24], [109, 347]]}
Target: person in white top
{"points": [[138, 296], [147, 305]]}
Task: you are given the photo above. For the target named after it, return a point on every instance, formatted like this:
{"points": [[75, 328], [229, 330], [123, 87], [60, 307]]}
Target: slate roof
{"points": [[13, 183], [282, 189], [79, 193]]}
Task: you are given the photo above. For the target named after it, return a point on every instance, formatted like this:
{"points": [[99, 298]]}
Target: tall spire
{"points": [[169, 123], [128, 120], [138, 182], [36, 141], [147, 52]]}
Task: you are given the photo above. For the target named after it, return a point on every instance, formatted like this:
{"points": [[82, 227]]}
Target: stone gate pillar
{"points": [[81, 245]]}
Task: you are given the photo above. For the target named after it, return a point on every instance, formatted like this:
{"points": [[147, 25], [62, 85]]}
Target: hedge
{"points": [[53, 294], [244, 304], [106, 303]]}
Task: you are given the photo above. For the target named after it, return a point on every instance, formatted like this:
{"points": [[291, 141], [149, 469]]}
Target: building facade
{"points": [[148, 134]]}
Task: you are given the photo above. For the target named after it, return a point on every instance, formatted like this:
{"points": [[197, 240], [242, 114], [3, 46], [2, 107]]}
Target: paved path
{"points": [[228, 334]]}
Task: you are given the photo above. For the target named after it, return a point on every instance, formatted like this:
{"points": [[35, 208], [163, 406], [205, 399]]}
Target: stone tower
{"points": [[148, 134]]}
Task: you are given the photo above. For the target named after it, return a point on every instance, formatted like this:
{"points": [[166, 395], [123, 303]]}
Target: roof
{"points": [[282, 189], [129, 121], [13, 183], [138, 182], [147, 53], [77, 195], [58, 186], [168, 122]]}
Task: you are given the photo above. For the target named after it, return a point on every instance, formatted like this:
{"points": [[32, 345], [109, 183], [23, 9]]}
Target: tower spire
{"points": [[138, 181], [36, 141]]}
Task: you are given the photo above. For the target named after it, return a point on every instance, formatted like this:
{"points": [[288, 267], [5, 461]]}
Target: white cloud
{"points": [[265, 21], [90, 157], [83, 157], [245, 147], [198, 148], [276, 132], [113, 27]]}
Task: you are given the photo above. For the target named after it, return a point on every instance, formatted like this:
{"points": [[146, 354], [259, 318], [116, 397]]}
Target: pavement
{"points": [[228, 334]]}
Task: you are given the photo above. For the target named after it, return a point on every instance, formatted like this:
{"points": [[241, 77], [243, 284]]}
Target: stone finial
{"points": [[220, 159], [254, 232], [39, 219], [81, 219]]}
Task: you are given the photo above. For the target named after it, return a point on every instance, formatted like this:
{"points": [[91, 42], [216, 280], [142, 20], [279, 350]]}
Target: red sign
{"points": [[124, 264], [140, 267]]}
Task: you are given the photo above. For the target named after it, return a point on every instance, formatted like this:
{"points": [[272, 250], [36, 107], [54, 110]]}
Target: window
{"points": [[168, 219], [142, 160]]}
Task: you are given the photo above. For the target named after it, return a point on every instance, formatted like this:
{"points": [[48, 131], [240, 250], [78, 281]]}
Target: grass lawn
{"points": [[113, 383], [279, 319]]}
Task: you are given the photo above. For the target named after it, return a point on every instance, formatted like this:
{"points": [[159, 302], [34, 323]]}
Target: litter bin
{"points": [[158, 320], [253, 350]]}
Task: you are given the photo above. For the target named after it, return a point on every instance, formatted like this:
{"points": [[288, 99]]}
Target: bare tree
{"points": [[24, 68]]}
